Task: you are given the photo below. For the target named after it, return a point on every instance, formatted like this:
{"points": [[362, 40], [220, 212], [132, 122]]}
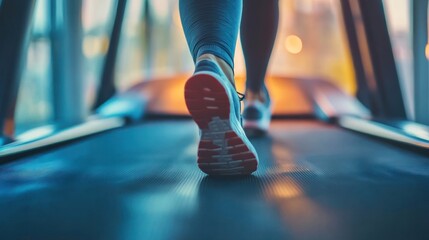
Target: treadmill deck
{"points": [[314, 181]]}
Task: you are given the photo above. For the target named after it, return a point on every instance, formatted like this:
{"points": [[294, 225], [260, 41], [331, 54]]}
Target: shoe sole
{"points": [[223, 148]]}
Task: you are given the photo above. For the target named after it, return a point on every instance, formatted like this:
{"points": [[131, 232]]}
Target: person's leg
{"points": [[211, 29], [258, 32]]}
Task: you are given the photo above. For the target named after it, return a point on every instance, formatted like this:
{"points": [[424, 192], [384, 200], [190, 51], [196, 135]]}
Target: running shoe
{"points": [[257, 115], [214, 105]]}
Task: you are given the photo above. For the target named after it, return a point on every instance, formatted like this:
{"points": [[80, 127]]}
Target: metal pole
{"points": [[421, 74], [107, 84], [66, 37], [148, 40], [352, 22], [382, 60], [15, 18]]}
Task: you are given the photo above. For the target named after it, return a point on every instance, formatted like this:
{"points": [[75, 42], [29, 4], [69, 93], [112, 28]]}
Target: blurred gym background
{"points": [[152, 46]]}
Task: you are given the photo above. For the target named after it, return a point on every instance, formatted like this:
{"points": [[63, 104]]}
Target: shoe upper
{"points": [[257, 114], [213, 67]]}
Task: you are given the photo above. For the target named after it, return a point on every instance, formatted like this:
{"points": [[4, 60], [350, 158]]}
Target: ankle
{"points": [[256, 95], [226, 69]]}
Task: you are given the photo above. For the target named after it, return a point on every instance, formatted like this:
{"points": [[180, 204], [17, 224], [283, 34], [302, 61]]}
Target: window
{"points": [[35, 100], [399, 25], [152, 42], [97, 21], [34, 106], [310, 42]]}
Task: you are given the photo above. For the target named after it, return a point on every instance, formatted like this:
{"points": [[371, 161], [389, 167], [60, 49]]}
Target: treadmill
{"points": [[336, 167]]}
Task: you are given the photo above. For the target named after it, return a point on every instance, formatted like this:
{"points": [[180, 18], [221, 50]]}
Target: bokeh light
{"points": [[293, 44]]}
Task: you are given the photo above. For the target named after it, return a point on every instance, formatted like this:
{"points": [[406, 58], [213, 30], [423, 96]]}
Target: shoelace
{"points": [[241, 96]]}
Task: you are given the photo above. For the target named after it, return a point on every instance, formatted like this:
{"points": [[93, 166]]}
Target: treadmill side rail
{"points": [[18, 149], [330, 102], [407, 133]]}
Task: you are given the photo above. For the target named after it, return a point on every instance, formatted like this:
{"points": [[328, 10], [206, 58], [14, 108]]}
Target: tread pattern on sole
{"points": [[221, 151]]}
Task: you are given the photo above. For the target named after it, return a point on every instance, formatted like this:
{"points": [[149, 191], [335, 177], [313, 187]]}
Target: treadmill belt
{"points": [[314, 181]]}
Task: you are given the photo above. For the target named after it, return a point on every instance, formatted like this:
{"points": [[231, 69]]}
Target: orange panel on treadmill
{"points": [[166, 96]]}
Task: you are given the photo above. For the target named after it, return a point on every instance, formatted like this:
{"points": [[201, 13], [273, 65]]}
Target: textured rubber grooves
{"points": [[221, 151]]}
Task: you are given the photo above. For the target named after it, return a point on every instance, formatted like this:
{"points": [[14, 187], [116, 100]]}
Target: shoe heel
{"points": [[205, 99], [221, 151]]}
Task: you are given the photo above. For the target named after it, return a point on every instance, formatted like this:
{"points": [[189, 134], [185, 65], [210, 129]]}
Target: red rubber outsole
{"points": [[220, 151]]}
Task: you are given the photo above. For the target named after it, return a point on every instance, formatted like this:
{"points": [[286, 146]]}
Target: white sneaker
{"points": [[257, 116], [213, 103]]}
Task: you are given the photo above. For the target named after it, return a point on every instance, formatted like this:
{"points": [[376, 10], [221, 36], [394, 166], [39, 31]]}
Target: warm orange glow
{"points": [[286, 95], [281, 190], [166, 95], [293, 44], [9, 127], [286, 166], [176, 20], [427, 51]]}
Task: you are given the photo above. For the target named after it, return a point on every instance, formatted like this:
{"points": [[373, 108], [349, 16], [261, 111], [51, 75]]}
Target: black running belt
{"points": [[315, 181]]}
